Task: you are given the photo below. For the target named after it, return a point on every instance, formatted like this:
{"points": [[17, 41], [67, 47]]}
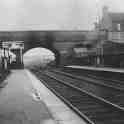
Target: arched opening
{"points": [[57, 56], [46, 40], [39, 57]]}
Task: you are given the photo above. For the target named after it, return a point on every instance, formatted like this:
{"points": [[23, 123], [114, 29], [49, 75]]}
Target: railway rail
{"points": [[90, 107], [113, 81], [116, 74], [111, 94], [95, 79]]}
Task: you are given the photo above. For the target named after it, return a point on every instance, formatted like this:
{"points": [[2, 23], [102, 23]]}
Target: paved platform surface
{"points": [[61, 112], [109, 69], [25, 100], [19, 103]]}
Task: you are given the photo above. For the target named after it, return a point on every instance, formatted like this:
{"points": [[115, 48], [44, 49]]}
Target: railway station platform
{"points": [[25, 100], [108, 69]]}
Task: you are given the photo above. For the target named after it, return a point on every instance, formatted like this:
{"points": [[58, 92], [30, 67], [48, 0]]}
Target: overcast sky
{"points": [[53, 14]]}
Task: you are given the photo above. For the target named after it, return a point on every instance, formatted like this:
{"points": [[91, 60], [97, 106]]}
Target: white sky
{"points": [[53, 14]]}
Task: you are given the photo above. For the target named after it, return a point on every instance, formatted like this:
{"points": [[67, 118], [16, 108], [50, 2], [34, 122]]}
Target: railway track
{"points": [[90, 107], [95, 79], [104, 80], [111, 94]]}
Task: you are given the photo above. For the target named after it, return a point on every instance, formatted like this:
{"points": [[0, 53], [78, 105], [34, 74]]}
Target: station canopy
{"points": [[13, 44]]}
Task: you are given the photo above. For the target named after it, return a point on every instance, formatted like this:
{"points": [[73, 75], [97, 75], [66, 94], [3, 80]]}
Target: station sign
{"points": [[13, 45]]}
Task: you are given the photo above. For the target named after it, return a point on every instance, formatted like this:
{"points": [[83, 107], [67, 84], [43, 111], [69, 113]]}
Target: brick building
{"points": [[113, 25], [111, 21], [112, 47]]}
